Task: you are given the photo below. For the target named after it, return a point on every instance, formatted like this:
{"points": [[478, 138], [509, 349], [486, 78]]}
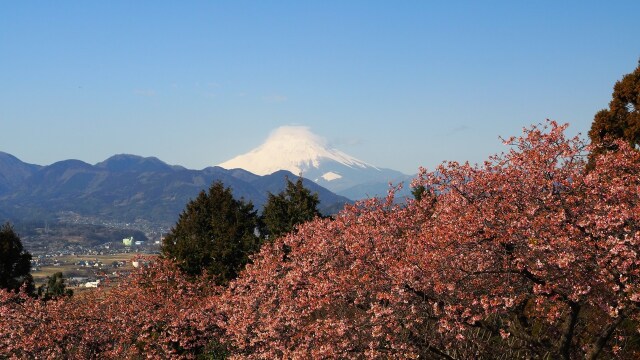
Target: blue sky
{"points": [[399, 84]]}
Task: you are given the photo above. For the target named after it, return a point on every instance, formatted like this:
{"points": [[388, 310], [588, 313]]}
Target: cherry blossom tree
{"points": [[156, 312], [526, 255]]}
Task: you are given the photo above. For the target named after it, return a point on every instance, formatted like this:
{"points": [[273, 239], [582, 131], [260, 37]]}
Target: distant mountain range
{"points": [[128, 188], [299, 151]]}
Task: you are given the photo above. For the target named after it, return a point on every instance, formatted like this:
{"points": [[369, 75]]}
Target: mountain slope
{"points": [[126, 162], [298, 150], [129, 188], [275, 183], [13, 172]]}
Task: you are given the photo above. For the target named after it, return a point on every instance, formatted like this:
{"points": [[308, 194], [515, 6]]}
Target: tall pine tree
{"points": [[292, 206], [15, 261], [215, 233]]}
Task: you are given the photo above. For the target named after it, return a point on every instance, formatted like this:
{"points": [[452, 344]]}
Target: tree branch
{"points": [[567, 335], [603, 338]]}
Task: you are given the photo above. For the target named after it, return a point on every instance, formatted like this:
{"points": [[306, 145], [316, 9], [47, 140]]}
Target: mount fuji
{"points": [[298, 150]]}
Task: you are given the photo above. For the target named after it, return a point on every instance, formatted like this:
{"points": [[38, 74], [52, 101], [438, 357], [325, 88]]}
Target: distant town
{"points": [[87, 250]]}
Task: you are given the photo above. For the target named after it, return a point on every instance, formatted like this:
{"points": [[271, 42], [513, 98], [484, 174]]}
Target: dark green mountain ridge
{"points": [[127, 188]]}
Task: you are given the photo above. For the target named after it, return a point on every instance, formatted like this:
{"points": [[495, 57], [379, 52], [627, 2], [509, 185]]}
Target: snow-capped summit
{"points": [[298, 150], [292, 148]]}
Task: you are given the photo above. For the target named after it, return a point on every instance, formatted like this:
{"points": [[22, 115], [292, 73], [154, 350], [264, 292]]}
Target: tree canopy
{"points": [[622, 119], [525, 256], [292, 206], [216, 233], [15, 261], [54, 287], [156, 312]]}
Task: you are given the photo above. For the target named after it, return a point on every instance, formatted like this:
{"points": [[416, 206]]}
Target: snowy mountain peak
{"points": [[292, 148]]}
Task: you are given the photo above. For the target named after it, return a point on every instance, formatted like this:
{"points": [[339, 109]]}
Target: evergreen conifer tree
{"points": [[215, 233], [622, 119], [292, 206], [55, 287], [15, 261]]}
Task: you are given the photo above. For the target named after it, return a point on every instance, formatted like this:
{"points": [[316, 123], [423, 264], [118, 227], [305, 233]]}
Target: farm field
{"points": [[79, 269]]}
